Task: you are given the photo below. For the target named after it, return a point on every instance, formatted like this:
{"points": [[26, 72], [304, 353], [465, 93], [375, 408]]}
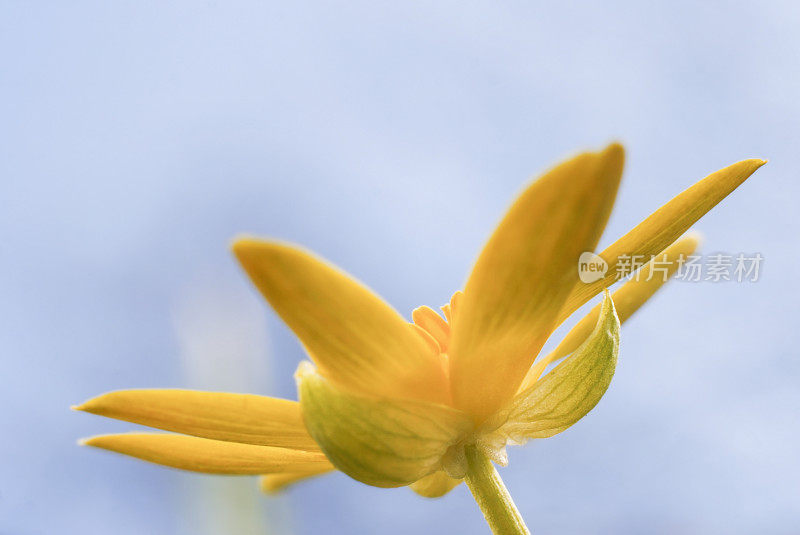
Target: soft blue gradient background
{"points": [[137, 138]]}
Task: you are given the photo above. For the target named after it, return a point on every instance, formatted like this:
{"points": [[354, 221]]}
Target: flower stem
{"points": [[489, 491]]}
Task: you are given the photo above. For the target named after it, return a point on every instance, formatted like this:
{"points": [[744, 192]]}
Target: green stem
{"points": [[494, 500]]}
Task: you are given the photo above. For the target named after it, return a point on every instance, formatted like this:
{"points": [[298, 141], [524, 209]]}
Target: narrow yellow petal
{"points": [[524, 274], [272, 483], [435, 485], [354, 337], [242, 418], [628, 299], [208, 456], [572, 389], [663, 227], [379, 441]]}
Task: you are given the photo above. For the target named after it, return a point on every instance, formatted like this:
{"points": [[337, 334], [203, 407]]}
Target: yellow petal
{"points": [[524, 274], [435, 485], [354, 337], [572, 389], [272, 483], [663, 227], [206, 455], [242, 418], [379, 441], [631, 295]]}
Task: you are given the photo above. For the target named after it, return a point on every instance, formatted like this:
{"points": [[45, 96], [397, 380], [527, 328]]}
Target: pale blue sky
{"points": [[137, 138]]}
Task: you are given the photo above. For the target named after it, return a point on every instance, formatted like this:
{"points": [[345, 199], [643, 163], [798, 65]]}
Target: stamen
{"points": [[454, 303], [430, 340], [432, 324], [427, 318], [446, 311]]}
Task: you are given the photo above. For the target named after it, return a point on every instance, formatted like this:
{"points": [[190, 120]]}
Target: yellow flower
{"points": [[392, 403]]}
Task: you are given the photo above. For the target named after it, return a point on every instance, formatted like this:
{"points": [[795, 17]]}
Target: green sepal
{"points": [[382, 442], [571, 389], [435, 485]]}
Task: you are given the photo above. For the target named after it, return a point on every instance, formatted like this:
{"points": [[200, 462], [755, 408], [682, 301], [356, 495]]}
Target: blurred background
{"points": [[137, 138]]}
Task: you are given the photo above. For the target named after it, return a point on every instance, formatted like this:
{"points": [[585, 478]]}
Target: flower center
{"points": [[436, 330], [434, 326]]}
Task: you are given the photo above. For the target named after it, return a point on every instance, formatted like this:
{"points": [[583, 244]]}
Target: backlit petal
{"points": [[627, 300], [272, 483], [663, 227], [206, 455], [354, 337], [524, 274], [379, 441], [571, 390], [233, 417]]}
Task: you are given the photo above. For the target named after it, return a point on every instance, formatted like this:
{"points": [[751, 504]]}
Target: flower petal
{"points": [[379, 441], [663, 227], [627, 300], [272, 483], [242, 418], [524, 274], [435, 485], [206, 455], [355, 338], [572, 389]]}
